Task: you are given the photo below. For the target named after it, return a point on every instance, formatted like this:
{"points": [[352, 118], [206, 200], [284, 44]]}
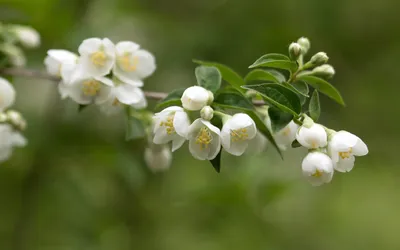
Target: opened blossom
{"points": [[133, 63], [56, 58], [237, 132], [312, 137], [343, 147], [171, 124], [88, 90], [204, 140], [317, 168], [7, 94], [97, 56]]}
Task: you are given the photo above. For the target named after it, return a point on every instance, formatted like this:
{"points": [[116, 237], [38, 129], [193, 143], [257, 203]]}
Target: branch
{"points": [[30, 73]]}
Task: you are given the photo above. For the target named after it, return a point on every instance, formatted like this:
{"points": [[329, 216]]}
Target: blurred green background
{"points": [[79, 185]]}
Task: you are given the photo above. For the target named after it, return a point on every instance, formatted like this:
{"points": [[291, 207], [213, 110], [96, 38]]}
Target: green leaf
{"points": [[301, 88], [315, 106], [172, 99], [81, 107], [229, 75], [296, 144], [216, 162], [208, 78], [275, 61], [234, 99], [279, 119], [265, 75], [278, 96], [261, 126], [134, 128], [324, 87]]}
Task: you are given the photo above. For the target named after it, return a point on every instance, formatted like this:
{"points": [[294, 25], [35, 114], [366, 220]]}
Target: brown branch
{"points": [[29, 73]]}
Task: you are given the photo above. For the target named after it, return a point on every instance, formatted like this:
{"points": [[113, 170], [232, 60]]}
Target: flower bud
{"points": [[207, 113], [158, 158], [16, 119], [27, 36], [324, 70], [195, 98], [319, 58], [295, 50], [312, 137], [3, 117], [305, 44], [317, 168], [14, 53]]}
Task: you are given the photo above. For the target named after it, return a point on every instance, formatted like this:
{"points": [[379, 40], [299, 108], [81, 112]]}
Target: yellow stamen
{"points": [[346, 154], [169, 124], [128, 63], [116, 102], [91, 87], [317, 173], [286, 131], [98, 58], [239, 135], [204, 138]]}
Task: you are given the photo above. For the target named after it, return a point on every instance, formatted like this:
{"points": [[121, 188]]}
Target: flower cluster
{"points": [[11, 122], [104, 74], [173, 124], [11, 36]]}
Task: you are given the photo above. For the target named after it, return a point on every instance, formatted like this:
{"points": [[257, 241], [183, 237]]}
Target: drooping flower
{"points": [[171, 124], [204, 140], [56, 58], [27, 36], [89, 90], [97, 56], [158, 158], [195, 98], [313, 137], [317, 168], [286, 135], [7, 94], [237, 132], [9, 139], [132, 63], [258, 144], [342, 147]]}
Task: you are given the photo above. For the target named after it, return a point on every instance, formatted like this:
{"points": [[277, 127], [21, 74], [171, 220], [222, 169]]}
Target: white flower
{"points": [[15, 118], [7, 94], [8, 140], [285, 136], [171, 124], [195, 98], [90, 90], [56, 58], [97, 56], [237, 132], [258, 144], [342, 147], [133, 63], [28, 36], [313, 137], [317, 168], [204, 140], [158, 159]]}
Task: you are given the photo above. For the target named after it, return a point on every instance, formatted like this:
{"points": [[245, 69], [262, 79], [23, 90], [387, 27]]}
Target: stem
{"points": [[30, 73]]}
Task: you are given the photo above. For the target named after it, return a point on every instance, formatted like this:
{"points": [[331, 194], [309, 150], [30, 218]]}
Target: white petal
{"points": [[103, 95], [197, 151], [226, 136], [181, 123], [194, 128], [360, 149], [141, 104], [128, 94], [122, 76], [313, 137], [237, 148], [161, 136], [126, 46], [257, 145], [146, 65], [177, 143], [7, 94], [213, 128], [89, 46], [5, 153], [343, 140], [63, 89], [215, 146], [345, 165]]}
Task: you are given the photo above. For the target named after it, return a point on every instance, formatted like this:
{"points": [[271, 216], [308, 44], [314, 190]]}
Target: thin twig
{"points": [[30, 73]]}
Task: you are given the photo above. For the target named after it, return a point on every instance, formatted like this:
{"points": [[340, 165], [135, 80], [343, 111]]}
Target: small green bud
{"points": [[319, 58], [295, 50], [305, 44], [324, 70], [207, 113]]}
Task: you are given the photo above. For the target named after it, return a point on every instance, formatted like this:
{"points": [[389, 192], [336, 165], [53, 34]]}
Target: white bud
{"points": [[27, 36], [295, 50], [324, 70], [14, 53], [317, 167], [3, 117], [195, 98], [313, 137], [158, 158], [305, 44], [207, 113], [16, 119], [319, 58]]}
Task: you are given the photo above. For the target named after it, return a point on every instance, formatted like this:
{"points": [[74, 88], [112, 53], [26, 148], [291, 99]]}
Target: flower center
{"points": [[91, 88], [286, 131], [346, 154], [115, 102], [317, 173], [239, 134], [169, 124], [128, 63], [98, 58], [204, 138]]}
